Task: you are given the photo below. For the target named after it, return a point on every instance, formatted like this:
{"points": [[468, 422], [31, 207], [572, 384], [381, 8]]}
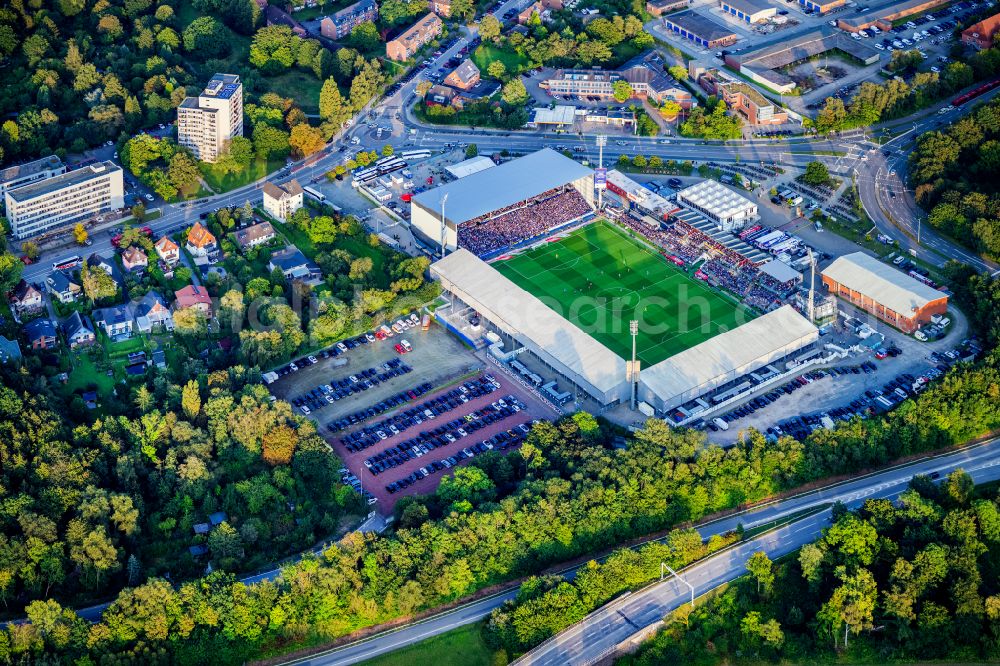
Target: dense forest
{"points": [[911, 580], [566, 493], [954, 173]]}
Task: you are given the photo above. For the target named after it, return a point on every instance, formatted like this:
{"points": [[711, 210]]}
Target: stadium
{"points": [[566, 300], [490, 211]]}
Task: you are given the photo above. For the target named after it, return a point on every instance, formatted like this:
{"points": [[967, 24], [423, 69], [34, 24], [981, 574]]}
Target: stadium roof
{"points": [[716, 199], [882, 283], [510, 306], [735, 350], [470, 166], [504, 185]]}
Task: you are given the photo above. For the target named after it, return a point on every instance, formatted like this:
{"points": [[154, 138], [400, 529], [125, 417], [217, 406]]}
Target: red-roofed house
{"points": [[200, 241], [193, 296]]}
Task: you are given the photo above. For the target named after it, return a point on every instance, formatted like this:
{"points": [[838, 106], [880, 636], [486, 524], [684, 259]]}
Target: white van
{"points": [[720, 424]]}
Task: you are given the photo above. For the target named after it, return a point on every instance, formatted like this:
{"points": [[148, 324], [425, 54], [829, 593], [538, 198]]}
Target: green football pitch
{"points": [[600, 278]]}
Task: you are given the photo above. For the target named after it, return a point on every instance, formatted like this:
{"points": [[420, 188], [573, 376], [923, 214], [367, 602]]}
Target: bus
{"points": [[381, 167], [415, 154], [315, 194], [67, 263]]}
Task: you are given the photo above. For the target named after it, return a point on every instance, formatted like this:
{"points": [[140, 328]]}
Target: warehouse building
{"points": [[885, 16], [881, 290], [821, 6], [76, 196], [658, 8], [701, 30], [727, 209], [749, 11]]}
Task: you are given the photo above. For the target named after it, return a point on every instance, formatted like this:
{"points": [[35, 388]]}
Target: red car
{"points": [[26, 260], [399, 349]]}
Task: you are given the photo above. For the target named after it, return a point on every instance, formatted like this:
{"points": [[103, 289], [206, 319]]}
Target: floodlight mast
{"points": [[444, 227]]}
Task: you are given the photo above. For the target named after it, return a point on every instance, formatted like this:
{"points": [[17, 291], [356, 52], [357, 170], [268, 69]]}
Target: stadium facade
{"points": [[480, 195], [599, 372]]}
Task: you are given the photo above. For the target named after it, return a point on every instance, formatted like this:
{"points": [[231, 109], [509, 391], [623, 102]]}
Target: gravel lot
{"points": [[436, 358], [377, 484]]}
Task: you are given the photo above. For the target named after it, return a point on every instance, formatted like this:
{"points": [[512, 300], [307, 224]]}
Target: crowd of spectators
{"points": [[523, 221], [723, 267]]}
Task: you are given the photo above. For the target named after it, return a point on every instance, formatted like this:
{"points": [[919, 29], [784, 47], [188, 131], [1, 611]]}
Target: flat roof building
{"points": [[701, 30], [76, 196], [205, 123], [750, 103], [18, 175], [749, 11], [470, 166], [644, 73], [718, 203], [407, 44], [884, 16], [821, 6], [884, 291], [658, 8]]}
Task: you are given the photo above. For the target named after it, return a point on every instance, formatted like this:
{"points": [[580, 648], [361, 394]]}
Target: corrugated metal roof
{"points": [[520, 311], [882, 283], [502, 186], [717, 357], [716, 199]]}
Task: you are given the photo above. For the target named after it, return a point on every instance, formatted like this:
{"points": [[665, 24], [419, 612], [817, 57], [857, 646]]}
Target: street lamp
{"points": [[664, 565]]}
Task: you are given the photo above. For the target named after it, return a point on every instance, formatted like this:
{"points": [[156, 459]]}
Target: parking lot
{"points": [[436, 358], [860, 379], [453, 414]]}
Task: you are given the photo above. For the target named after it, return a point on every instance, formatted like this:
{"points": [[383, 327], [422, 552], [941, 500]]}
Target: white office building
{"points": [[20, 175], [205, 123], [76, 196]]}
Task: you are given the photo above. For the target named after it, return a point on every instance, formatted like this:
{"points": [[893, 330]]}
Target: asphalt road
{"points": [[605, 628]]}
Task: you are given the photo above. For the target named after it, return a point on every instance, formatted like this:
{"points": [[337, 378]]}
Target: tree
{"points": [[387, 150], [10, 271], [514, 93], [191, 400], [466, 488], [237, 154], [679, 72], [622, 91], [270, 142], [360, 267], [138, 212], [97, 284], [670, 109], [279, 445], [760, 567], [189, 321], [80, 234], [306, 140], [639, 161], [496, 69], [332, 105], [816, 174], [489, 28], [423, 88], [364, 37], [183, 170], [472, 150]]}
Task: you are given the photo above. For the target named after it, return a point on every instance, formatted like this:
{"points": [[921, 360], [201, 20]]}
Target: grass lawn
{"points": [[599, 278], [223, 182], [303, 87], [484, 55], [459, 647], [86, 374]]}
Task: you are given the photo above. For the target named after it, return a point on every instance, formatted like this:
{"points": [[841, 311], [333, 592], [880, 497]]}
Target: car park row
{"points": [[327, 394], [437, 406], [380, 407]]}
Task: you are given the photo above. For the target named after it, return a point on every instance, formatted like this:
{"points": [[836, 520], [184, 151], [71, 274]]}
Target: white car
{"points": [[148, 197]]}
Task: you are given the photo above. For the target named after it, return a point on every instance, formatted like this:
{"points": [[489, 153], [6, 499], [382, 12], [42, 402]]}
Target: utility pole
{"points": [[664, 565], [633, 367], [444, 227]]}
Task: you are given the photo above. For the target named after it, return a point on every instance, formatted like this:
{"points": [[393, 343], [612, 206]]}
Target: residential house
{"points": [[41, 334], [254, 235], [201, 242], [535, 8], [108, 266], [168, 251], [406, 45], [281, 201], [295, 266], [26, 298], [150, 311], [464, 76], [78, 331], [10, 351], [115, 321], [134, 260], [193, 296], [63, 286], [441, 7], [339, 25]]}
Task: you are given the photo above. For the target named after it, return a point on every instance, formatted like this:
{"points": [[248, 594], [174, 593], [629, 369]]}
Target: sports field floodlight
{"points": [[444, 227]]}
